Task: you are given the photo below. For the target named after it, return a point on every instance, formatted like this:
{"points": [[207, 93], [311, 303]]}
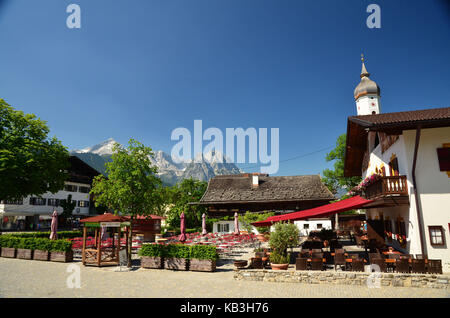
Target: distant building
{"points": [[257, 192], [35, 212], [410, 152]]}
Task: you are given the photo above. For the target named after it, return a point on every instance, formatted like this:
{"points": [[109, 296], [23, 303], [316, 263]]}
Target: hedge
{"points": [[61, 234], [32, 243], [180, 251]]}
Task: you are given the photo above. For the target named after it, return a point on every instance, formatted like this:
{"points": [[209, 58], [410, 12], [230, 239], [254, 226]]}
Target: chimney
{"points": [[255, 180]]}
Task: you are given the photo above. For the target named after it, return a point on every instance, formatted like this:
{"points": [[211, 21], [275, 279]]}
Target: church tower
{"points": [[367, 94]]}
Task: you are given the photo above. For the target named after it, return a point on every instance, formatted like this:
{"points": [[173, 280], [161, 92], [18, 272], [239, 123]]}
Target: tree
{"points": [[189, 190], [68, 205], [30, 162], [251, 217], [334, 179], [131, 186]]}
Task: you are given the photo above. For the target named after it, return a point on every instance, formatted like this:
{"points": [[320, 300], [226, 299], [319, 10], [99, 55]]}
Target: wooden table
{"points": [[161, 240]]}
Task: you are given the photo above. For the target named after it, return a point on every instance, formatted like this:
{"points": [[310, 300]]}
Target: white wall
{"points": [[27, 209], [313, 225]]}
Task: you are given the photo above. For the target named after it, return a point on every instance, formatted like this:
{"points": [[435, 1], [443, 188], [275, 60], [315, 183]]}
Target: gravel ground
{"points": [[22, 278]]}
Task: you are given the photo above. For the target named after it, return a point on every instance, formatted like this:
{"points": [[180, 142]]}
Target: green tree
{"points": [[131, 186], [183, 193], [68, 205], [251, 217], [31, 163], [334, 179]]}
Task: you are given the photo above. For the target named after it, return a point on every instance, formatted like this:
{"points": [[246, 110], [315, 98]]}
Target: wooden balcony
{"points": [[392, 189]]}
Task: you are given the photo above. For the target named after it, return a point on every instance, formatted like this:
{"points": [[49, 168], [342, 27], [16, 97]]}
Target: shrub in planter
{"points": [[42, 247], [25, 248], [177, 257], [279, 261], [61, 251], [152, 255], [284, 236], [203, 258], [8, 244]]}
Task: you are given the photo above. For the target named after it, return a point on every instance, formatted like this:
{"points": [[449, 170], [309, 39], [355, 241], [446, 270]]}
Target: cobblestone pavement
{"points": [[22, 278]]}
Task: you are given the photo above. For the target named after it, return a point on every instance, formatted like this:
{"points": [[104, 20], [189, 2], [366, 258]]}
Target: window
{"points": [[83, 189], [37, 201], [70, 188], [13, 202], [223, 227], [83, 204], [305, 226], [53, 202], [437, 236], [319, 225]]}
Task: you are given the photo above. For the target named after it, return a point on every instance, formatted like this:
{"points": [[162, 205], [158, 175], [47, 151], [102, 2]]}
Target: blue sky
{"points": [[143, 68]]}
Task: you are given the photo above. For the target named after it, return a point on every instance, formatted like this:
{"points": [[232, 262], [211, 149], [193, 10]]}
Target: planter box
{"points": [[152, 262], [63, 257], [179, 264], [41, 255], [24, 253], [202, 265], [9, 252]]}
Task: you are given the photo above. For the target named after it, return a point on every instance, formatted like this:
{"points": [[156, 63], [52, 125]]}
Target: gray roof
{"points": [[239, 188]]}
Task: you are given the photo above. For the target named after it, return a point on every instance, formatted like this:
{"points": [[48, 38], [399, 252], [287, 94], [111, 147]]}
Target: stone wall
{"points": [[345, 278]]}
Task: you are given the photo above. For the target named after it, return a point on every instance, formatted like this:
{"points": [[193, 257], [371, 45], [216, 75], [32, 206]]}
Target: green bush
{"points": [[152, 250], [61, 234], [177, 251], [277, 258], [60, 246], [42, 244], [284, 236], [26, 243], [204, 252], [9, 241]]}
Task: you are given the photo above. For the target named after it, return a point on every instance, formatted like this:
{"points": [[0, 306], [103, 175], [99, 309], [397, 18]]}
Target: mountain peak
{"points": [[103, 148]]}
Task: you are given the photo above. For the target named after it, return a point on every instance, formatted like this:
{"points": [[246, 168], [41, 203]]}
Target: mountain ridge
{"points": [[203, 167]]}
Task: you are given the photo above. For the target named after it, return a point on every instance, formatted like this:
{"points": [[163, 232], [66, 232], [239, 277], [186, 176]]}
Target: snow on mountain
{"points": [[103, 148], [203, 167]]}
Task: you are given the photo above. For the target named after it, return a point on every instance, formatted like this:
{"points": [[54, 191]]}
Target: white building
{"points": [[34, 210], [306, 226], [411, 151]]}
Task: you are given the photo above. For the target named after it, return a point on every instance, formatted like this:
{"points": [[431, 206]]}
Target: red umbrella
{"points": [[236, 224], [54, 226], [204, 232], [182, 236]]}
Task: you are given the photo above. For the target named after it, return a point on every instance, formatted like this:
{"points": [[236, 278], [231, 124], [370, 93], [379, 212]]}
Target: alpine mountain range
{"points": [[211, 164]]}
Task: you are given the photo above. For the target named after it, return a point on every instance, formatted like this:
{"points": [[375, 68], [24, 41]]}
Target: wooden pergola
{"points": [[99, 256]]}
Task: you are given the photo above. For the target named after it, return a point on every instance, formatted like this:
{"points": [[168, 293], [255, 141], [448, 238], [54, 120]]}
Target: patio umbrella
{"points": [[103, 233], [54, 226], [204, 232], [236, 224], [182, 236]]}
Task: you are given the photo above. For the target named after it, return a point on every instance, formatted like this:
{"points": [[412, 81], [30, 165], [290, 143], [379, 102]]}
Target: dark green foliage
{"points": [[35, 243], [152, 250], [177, 251], [250, 217], [61, 234], [180, 251], [204, 252], [31, 163]]}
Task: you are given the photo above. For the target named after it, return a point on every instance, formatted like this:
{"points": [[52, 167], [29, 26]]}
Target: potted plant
{"points": [[152, 256], [177, 257], [61, 251], [203, 258], [8, 244], [284, 236], [25, 248], [240, 263], [279, 261], [259, 252], [42, 247]]}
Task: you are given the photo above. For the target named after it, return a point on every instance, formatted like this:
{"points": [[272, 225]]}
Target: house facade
{"points": [[404, 159], [34, 212]]}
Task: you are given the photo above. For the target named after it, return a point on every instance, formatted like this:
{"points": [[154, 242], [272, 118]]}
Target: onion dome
{"points": [[366, 86]]}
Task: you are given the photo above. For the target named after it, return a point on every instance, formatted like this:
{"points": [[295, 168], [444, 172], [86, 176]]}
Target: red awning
{"points": [[321, 211]]}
